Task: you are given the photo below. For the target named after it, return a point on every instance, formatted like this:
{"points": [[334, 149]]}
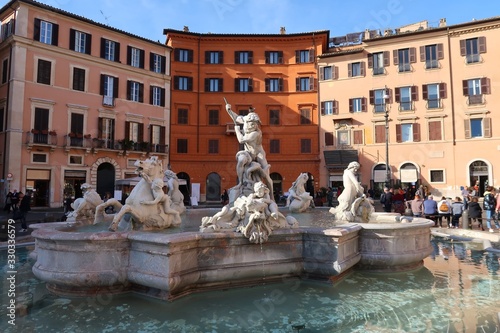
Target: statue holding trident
{"points": [[251, 209], [251, 139]]}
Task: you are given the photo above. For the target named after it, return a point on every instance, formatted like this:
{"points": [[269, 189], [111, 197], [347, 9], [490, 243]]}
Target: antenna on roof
{"points": [[105, 17]]}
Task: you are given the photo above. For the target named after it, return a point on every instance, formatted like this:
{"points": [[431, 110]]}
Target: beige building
{"points": [[79, 102], [438, 87]]}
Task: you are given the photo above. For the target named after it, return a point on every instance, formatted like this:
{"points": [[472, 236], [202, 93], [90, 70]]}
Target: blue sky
{"points": [[148, 18]]}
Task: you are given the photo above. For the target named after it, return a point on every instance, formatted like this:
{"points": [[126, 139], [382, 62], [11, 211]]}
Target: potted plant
{"points": [[87, 136], [144, 146], [127, 144], [71, 134], [53, 133], [35, 131]]}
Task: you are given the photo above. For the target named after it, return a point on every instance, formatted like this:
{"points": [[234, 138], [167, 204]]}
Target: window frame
{"points": [[182, 146], [274, 146], [44, 71], [79, 78]]}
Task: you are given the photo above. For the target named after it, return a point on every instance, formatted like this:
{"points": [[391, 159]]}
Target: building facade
{"points": [[275, 74], [421, 100], [79, 102]]}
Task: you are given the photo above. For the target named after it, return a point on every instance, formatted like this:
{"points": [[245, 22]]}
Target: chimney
{"points": [[282, 30], [442, 22], [186, 28], [367, 34]]}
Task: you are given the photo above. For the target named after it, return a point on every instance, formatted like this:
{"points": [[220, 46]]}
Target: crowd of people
{"points": [[445, 210], [19, 204]]}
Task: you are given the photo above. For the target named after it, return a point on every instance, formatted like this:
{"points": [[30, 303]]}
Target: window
{"points": [[157, 63], [110, 50], [44, 71], [243, 57], [435, 132], [243, 85], [183, 83], [431, 54], [8, 28], [135, 57], [46, 32], [182, 116], [157, 96], [213, 117], [437, 176], [75, 159], [380, 136], [304, 56], [274, 117], [157, 139], [378, 61], [213, 146], [274, 146], [2, 119], [40, 128], [5, 70], [433, 93], [329, 108], [213, 85], [274, 57], [472, 48], [356, 69], [328, 73], [39, 158], [379, 98], [76, 128], [408, 132], [329, 139], [357, 104], [357, 137], [182, 146], [78, 79], [274, 84], [403, 58], [214, 57], [405, 97], [135, 91], [305, 146], [477, 128], [475, 89], [106, 132], [304, 84], [109, 89], [183, 55], [80, 41], [305, 116], [134, 131]]}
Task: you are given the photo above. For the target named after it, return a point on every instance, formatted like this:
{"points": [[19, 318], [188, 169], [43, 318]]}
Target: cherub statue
{"points": [[84, 208]]}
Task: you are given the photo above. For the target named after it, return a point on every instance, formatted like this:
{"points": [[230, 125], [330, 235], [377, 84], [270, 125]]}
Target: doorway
{"points": [[213, 187], [105, 179]]}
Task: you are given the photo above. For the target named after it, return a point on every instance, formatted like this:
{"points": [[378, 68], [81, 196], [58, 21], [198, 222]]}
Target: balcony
{"points": [[230, 128], [41, 138], [475, 99], [159, 149], [108, 101], [77, 141]]}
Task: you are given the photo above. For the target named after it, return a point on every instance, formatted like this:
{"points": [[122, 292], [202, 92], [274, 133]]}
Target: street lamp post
{"points": [[386, 116]]}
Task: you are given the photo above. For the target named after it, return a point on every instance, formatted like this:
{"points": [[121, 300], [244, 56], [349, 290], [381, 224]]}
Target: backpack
{"points": [[382, 198], [443, 208]]}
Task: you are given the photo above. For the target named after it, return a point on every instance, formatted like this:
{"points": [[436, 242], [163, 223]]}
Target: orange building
{"points": [[422, 98], [79, 102], [276, 74]]}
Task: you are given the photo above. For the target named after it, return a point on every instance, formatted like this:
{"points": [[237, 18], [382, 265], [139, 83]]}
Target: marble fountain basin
{"points": [[174, 264]]}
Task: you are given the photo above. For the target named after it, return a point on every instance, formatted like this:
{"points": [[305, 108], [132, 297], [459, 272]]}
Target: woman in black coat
{"points": [[475, 212]]}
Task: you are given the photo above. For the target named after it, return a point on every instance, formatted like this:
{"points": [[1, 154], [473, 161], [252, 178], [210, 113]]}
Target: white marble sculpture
{"points": [[147, 207], [353, 205], [84, 208], [251, 209], [173, 191], [298, 199]]}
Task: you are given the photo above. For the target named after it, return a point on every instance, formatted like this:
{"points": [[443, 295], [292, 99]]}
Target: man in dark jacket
{"points": [[386, 200], [489, 205], [24, 208]]}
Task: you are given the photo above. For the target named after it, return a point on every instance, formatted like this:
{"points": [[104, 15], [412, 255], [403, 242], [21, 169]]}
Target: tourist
{"points": [[489, 206], [24, 208], [475, 213], [457, 209], [444, 211], [417, 206], [15, 200], [465, 195], [386, 200], [225, 198], [8, 202], [431, 209], [329, 196], [398, 201]]}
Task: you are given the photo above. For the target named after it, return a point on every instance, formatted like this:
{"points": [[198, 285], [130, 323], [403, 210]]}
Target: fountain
{"points": [[248, 242]]}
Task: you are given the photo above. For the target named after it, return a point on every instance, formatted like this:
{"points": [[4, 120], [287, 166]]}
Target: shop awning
{"points": [[340, 159]]}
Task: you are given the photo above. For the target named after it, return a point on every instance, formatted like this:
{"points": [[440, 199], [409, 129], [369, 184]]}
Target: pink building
{"points": [[79, 102], [438, 87]]}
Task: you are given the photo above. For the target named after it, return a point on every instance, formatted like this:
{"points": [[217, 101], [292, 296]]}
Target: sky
{"points": [[148, 18]]}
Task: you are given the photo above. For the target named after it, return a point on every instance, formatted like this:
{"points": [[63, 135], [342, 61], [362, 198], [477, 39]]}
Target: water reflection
{"points": [[457, 290]]}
